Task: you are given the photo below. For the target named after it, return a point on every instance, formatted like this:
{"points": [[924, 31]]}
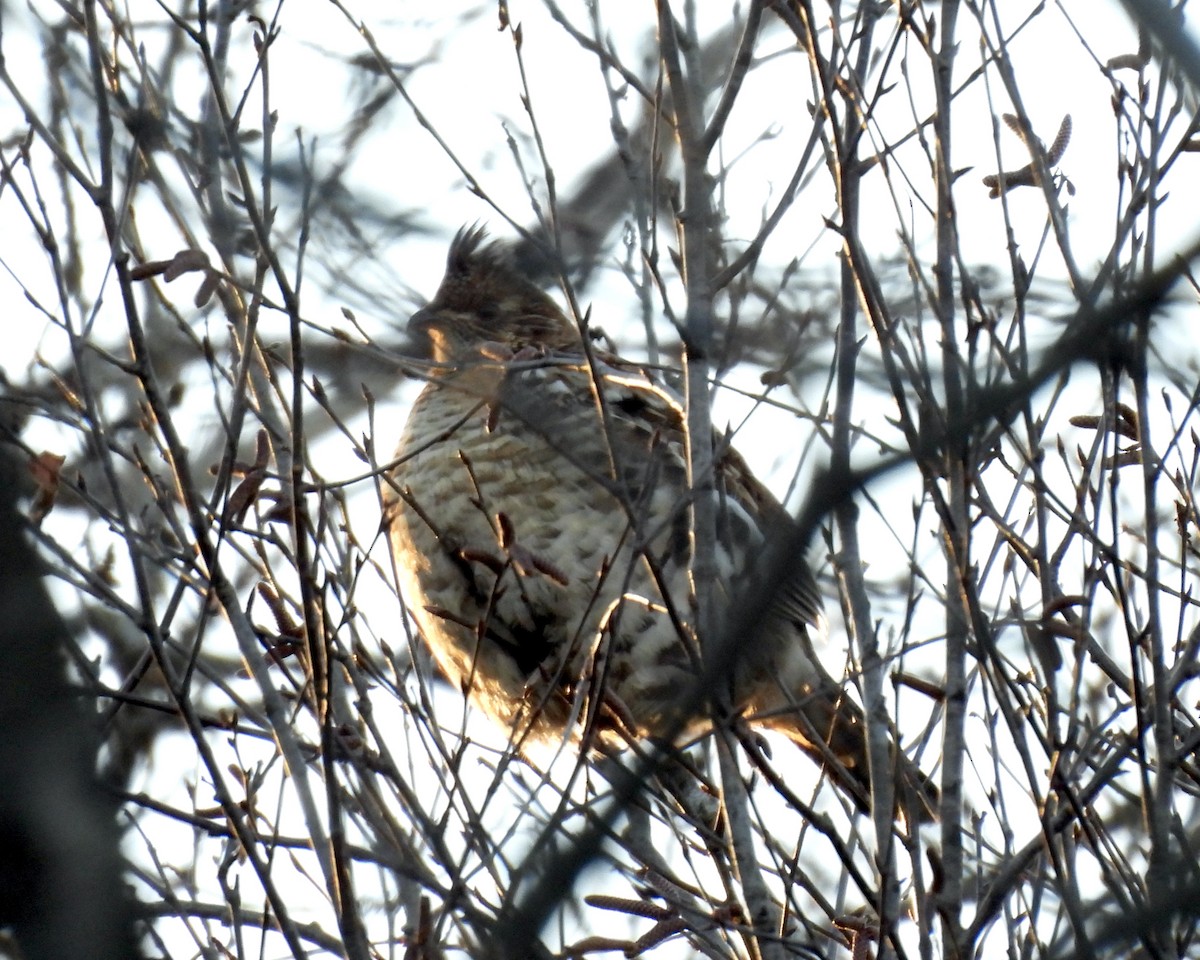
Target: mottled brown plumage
{"points": [[538, 515]]}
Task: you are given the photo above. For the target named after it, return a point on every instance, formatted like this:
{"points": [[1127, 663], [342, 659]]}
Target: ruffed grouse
{"points": [[538, 516]]}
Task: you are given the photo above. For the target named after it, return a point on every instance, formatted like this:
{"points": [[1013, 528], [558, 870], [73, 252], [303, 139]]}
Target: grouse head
{"points": [[484, 300]]}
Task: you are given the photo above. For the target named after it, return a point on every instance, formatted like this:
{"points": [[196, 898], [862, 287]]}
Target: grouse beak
{"points": [[421, 321], [429, 324]]}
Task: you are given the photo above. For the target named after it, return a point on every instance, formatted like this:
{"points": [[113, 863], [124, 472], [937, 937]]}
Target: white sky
{"points": [[471, 89]]}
